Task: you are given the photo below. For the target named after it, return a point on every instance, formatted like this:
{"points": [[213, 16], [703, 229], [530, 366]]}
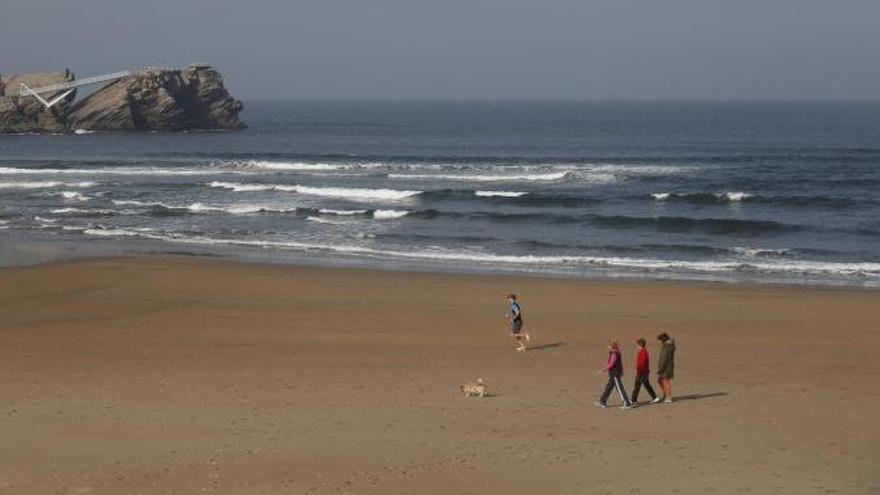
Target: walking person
{"points": [[614, 368], [643, 373], [666, 366], [516, 324]]}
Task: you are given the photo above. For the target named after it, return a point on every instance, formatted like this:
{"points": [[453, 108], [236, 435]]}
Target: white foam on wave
{"points": [[236, 209], [120, 233], [329, 211], [638, 170], [866, 269], [755, 252], [237, 187], [74, 195], [551, 176], [325, 220], [376, 214], [501, 194], [353, 194], [126, 171], [92, 211], [733, 197], [389, 214], [293, 166], [131, 202], [51, 184], [584, 172]]}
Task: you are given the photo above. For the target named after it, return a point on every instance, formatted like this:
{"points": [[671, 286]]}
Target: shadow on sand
{"points": [[681, 398], [546, 346]]}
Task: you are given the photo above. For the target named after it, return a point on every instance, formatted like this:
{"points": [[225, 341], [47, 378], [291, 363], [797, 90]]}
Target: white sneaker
{"points": [[655, 400], [626, 406], [521, 349], [668, 401], [599, 404]]}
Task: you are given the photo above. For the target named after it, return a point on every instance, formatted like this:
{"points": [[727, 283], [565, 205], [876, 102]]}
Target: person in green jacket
{"points": [[666, 365]]}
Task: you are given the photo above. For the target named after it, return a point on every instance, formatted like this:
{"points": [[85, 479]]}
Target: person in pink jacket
{"points": [[614, 369]]}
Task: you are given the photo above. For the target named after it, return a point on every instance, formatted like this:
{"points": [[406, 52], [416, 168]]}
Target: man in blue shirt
{"points": [[516, 324]]}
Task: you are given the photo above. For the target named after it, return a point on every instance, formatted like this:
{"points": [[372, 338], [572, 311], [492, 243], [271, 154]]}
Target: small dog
{"points": [[474, 389]]}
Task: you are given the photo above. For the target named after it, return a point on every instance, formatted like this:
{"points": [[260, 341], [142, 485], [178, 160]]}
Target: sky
{"points": [[468, 50]]}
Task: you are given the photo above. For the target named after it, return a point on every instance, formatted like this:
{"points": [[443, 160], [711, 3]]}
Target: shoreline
{"points": [[72, 250], [224, 259], [178, 374]]}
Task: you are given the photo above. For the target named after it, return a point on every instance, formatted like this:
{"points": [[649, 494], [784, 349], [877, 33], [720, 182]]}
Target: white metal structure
{"points": [[68, 87]]}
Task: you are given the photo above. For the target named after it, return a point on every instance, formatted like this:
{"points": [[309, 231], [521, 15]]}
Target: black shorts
{"points": [[516, 326]]}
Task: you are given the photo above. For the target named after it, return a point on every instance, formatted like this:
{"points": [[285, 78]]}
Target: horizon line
{"points": [[558, 100]]}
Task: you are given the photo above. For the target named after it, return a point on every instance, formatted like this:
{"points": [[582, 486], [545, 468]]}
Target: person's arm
{"points": [[661, 363], [611, 361]]}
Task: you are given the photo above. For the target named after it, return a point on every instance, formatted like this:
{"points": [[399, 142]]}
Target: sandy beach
{"points": [[187, 375]]}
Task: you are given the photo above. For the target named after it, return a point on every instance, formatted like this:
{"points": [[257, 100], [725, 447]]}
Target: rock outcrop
{"points": [[26, 114], [149, 100]]}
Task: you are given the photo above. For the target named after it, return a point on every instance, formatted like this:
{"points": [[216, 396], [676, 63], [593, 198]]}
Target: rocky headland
{"points": [[147, 100]]}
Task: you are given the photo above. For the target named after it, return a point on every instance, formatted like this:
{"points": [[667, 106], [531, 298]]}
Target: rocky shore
{"points": [[148, 100]]}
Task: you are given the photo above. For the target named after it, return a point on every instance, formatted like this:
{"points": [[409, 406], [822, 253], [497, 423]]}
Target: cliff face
{"points": [[27, 114], [161, 100]]}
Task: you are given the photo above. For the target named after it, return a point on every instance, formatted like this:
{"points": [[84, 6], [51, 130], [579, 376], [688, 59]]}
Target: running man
{"points": [[516, 324]]}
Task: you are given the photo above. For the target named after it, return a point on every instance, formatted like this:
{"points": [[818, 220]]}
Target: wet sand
{"points": [[176, 375]]}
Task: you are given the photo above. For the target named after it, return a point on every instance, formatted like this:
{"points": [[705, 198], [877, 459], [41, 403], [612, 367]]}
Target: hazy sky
{"points": [[468, 49]]}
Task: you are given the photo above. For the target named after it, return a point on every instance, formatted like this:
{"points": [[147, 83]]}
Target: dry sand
{"points": [[171, 375]]}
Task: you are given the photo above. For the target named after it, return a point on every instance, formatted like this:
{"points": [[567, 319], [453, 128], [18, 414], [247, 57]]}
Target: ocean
{"points": [[733, 192]]}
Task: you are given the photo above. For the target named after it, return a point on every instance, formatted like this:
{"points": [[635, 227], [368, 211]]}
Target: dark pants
{"points": [[642, 380], [614, 383]]}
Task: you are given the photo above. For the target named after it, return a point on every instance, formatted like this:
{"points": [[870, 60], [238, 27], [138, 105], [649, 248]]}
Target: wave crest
{"points": [[708, 198], [353, 194], [815, 268], [51, 184]]}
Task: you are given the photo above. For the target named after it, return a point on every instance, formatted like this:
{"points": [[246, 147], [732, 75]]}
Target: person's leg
{"points": [[647, 383], [618, 383], [517, 334], [662, 388], [636, 387], [667, 389], [608, 388]]}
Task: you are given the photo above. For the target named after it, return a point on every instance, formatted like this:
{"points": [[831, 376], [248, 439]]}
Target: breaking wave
{"points": [[863, 269], [721, 197], [46, 184], [499, 194], [354, 194], [484, 178]]}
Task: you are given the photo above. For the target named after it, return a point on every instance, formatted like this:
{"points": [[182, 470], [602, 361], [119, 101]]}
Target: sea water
{"points": [[754, 192]]}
